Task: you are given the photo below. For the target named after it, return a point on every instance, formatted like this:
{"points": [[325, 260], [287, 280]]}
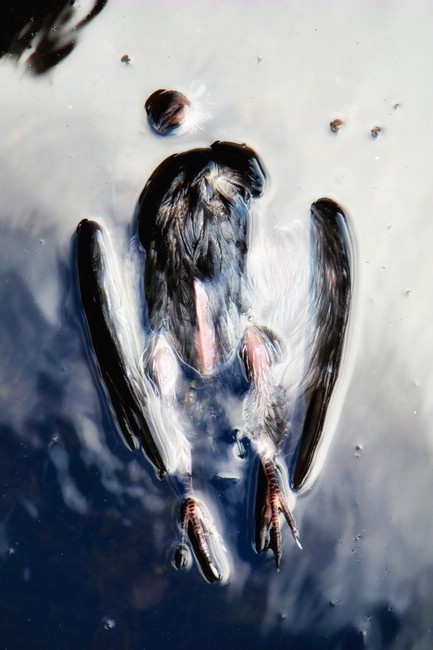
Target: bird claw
{"points": [[197, 526], [270, 502]]}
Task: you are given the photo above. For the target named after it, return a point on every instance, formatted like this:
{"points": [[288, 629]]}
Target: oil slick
{"points": [[202, 318]]}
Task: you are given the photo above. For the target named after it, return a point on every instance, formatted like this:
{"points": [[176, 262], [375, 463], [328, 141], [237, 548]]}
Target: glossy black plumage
{"points": [[127, 403], [194, 218], [331, 291]]}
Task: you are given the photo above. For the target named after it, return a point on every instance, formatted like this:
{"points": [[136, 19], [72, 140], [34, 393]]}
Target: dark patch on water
{"points": [[47, 26]]}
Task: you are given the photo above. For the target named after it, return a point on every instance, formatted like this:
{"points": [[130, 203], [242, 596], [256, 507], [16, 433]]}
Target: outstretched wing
{"points": [[112, 338], [302, 284], [301, 278], [331, 280]]}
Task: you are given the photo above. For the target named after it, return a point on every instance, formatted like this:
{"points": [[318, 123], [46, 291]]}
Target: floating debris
{"points": [[375, 131], [126, 59], [336, 125], [166, 110], [108, 623]]}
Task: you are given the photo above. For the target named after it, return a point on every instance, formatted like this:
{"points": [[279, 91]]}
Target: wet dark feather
{"points": [[331, 288], [193, 224]]}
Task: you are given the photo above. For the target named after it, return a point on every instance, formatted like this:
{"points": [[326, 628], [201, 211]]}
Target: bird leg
{"points": [[195, 523], [204, 337], [270, 502], [264, 406]]}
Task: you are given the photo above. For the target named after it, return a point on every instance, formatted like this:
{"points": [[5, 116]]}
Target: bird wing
{"points": [[117, 335], [331, 290], [301, 276]]}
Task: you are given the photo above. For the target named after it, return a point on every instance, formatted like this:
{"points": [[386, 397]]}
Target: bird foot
{"points": [[270, 502], [198, 527]]}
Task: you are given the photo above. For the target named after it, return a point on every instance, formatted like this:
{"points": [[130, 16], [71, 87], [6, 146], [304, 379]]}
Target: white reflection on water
{"points": [[75, 144]]}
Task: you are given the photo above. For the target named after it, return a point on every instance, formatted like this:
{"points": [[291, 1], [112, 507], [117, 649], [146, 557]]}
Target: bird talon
{"points": [[199, 529], [269, 505]]}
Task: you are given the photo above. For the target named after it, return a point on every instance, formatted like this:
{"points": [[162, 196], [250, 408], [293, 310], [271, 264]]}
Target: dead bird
{"points": [[203, 310]]}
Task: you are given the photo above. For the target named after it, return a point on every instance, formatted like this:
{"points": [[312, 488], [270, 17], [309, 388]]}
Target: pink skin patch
{"points": [[257, 355], [204, 336], [165, 372]]}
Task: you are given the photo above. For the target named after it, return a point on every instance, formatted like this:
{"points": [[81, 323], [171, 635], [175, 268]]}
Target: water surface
{"points": [[86, 529]]}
